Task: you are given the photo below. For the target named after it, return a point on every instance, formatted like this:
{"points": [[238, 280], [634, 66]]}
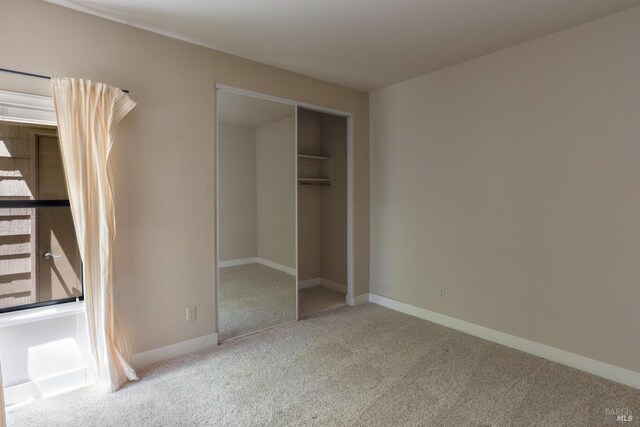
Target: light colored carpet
{"points": [[363, 366], [318, 299], [254, 297]]}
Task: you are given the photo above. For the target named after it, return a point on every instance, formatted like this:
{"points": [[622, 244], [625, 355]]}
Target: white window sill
{"points": [[41, 313]]}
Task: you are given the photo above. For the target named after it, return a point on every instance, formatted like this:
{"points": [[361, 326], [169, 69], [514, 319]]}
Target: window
{"points": [[39, 259]]}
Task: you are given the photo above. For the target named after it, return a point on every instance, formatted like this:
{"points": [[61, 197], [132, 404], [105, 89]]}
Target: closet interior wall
{"points": [[322, 208]]}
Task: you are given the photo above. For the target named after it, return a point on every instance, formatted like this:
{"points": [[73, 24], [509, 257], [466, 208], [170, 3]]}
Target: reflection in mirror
{"points": [[256, 214]]}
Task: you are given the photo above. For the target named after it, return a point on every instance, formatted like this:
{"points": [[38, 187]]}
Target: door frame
{"points": [[218, 87]]}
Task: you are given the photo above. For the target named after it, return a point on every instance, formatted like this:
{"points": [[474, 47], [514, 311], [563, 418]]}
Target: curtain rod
{"points": [[39, 76]]}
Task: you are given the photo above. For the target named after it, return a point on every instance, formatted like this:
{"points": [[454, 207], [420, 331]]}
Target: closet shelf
{"points": [[315, 181], [309, 156]]}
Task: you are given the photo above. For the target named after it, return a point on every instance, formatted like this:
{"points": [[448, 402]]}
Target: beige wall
{"points": [[275, 162], [512, 181], [238, 197], [163, 160]]}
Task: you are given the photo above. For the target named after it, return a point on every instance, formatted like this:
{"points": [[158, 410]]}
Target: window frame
{"points": [[34, 110]]}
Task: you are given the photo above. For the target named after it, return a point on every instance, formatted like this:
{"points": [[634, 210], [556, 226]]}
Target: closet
{"points": [[282, 208], [322, 211]]}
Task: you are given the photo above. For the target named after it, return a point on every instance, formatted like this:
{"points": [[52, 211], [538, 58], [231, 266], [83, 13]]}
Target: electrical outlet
{"points": [[442, 294], [191, 314]]}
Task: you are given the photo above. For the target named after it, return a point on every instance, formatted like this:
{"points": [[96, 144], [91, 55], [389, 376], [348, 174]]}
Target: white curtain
{"points": [[88, 114]]}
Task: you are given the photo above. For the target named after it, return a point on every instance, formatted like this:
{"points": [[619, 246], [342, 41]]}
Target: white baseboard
{"points": [[47, 387], [583, 363], [357, 300], [334, 286], [171, 351], [276, 266], [239, 261], [309, 283], [321, 281], [257, 260]]}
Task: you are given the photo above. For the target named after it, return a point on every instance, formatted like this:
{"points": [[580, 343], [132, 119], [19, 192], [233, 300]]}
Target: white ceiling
{"points": [[365, 44], [250, 112]]}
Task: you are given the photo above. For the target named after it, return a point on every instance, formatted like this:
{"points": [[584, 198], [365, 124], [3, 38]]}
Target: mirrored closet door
{"points": [[256, 196]]}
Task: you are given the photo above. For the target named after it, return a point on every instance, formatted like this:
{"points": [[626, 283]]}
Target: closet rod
{"points": [[39, 76]]}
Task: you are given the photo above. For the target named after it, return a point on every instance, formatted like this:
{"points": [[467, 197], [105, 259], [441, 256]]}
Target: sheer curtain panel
{"points": [[88, 115]]}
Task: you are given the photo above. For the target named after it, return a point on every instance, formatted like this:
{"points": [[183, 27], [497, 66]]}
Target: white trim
{"points": [[351, 281], [245, 92], [321, 281], [334, 286], [276, 266], [172, 351], [38, 314], [47, 387], [239, 261], [583, 363], [309, 283], [216, 186], [295, 206], [358, 300], [27, 108]]}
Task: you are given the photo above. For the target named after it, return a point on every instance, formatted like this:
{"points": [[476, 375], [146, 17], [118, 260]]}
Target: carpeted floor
{"points": [[318, 299], [254, 297], [363, 366]]}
